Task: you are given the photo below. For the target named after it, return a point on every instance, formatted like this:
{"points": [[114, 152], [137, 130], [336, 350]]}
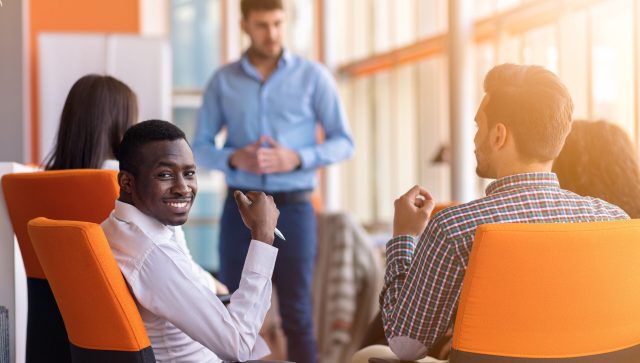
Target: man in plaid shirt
{"points": [[522, 124]]}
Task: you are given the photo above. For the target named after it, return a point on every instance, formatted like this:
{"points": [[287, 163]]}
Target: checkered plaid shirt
{"points": [[422, 283]]}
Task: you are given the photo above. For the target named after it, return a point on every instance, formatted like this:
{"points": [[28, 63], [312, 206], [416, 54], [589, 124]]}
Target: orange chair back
{"points": [[540, 291], [83, 194], [100, 315], [87, 195]]}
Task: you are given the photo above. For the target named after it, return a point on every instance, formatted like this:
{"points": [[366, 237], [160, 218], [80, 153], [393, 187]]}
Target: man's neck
{"points": [[264, 65], [507, 169]]}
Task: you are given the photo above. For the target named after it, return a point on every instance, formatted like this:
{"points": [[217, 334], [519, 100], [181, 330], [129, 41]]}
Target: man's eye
{"points": [[164, 175], [190, 173]]}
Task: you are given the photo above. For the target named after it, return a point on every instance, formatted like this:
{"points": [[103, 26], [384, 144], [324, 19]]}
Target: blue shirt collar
{"points": [[285, 59]]}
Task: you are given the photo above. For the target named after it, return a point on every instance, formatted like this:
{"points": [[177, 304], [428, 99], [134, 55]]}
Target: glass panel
{"points": [[503, 5], [300, 36], [202, 231], [360, 29], [484, 61], [483, 8], [359, 197], [612, 63], [433, 17], [185, 118], [403, 135], [338, 24], [202, 228], [434, 126], [195, 41], [574, 69], [405, 22], [383, 120], [540, 48], [510, 49], [382, 30]]}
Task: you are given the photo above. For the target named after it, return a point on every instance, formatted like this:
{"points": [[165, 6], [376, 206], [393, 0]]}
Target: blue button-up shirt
{"points": [[287, 106]]}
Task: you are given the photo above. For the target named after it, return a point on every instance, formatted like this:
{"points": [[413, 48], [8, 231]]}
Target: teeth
{"points": [[178, 205]]}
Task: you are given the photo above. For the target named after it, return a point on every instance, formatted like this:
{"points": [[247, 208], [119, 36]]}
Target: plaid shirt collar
{"points": [[523, 181]]}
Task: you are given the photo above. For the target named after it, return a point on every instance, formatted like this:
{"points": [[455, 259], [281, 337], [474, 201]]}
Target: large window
{"points": [[591, 45]]}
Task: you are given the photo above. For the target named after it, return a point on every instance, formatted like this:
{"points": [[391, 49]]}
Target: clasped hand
{"points": [[412, 212], [258, 159]]}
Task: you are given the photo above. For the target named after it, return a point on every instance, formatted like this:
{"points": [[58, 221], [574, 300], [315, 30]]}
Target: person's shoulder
{"points": [[461, 220], [309, 65], [462, 210], [605, 209], [227, 70], [127, 235], [229, 67]]}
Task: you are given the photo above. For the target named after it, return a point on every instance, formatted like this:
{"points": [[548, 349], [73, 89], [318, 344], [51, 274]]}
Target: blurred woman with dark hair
{"points": [[97, 112], [599, 160]]}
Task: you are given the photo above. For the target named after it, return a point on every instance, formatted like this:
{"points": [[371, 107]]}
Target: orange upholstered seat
{"points": [[551, 291], [86, 195], [100, 315]]}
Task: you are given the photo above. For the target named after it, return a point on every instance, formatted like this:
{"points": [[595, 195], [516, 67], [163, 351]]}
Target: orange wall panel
{"points": [[113, 16]]}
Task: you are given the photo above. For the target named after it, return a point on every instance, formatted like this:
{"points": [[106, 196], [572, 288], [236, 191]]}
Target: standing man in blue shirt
{"points": [[270, 102]]}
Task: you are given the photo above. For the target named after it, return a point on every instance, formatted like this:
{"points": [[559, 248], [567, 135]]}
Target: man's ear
{"points": [[244, 25], [499, 136], [126, 181]]}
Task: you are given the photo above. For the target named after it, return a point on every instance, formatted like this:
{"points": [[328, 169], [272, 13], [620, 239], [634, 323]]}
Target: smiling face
{"points": [[165, 185], [265, 28]]}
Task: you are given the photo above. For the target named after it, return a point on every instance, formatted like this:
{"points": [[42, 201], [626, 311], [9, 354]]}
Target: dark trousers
{"points": [[293, 272]]}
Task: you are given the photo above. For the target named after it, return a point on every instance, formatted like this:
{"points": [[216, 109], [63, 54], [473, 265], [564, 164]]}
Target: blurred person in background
{"points": [[599, 160], [96, 113], [271, 102]]}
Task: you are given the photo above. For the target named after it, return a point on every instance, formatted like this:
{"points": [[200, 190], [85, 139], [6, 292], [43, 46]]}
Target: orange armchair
{"points": [[86, 195], [100, 315], [535, 292]]}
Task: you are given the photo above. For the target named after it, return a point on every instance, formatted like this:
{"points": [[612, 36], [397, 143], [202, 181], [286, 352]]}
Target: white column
{"points": [[233, 34], [460, 98], [154, 18], [13, 280], [15, 115], [332, 191]]}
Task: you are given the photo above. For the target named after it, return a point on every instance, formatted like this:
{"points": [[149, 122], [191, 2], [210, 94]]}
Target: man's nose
{"points": [[181, 186], [273, 32]]}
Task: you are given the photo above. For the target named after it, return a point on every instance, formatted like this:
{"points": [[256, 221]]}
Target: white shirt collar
{"points": [[130, 214]]}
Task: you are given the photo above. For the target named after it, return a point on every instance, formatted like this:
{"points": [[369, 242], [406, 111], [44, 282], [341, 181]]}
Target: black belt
{"points": [[296, 196]]}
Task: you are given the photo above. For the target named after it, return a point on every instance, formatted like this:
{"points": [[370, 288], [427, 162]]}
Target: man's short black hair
{"points": [[141, 134]]}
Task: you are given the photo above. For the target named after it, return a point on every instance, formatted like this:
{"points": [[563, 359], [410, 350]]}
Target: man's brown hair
{"points": [[247, 6], [533, 104]]}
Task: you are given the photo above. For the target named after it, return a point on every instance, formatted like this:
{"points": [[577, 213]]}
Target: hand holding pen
{"points": [[260, 214]]}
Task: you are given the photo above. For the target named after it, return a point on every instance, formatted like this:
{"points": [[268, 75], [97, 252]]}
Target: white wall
{"points": [[14, 82], [143, 63]]}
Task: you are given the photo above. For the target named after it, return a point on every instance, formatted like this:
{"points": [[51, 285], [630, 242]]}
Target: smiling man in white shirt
{"points": [[185, 320]]}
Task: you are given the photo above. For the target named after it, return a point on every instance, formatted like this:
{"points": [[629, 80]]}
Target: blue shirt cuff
{"points": [[307, 158]]}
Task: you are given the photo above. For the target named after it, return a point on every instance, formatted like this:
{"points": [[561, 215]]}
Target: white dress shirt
{"points": [[185, 320]]}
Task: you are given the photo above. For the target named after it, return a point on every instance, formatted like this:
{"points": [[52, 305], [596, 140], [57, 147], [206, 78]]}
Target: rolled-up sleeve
{"points": [[167, 286]]}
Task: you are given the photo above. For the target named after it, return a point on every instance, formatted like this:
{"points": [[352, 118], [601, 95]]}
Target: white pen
{"points": [[279, 234], [276, 231]]}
